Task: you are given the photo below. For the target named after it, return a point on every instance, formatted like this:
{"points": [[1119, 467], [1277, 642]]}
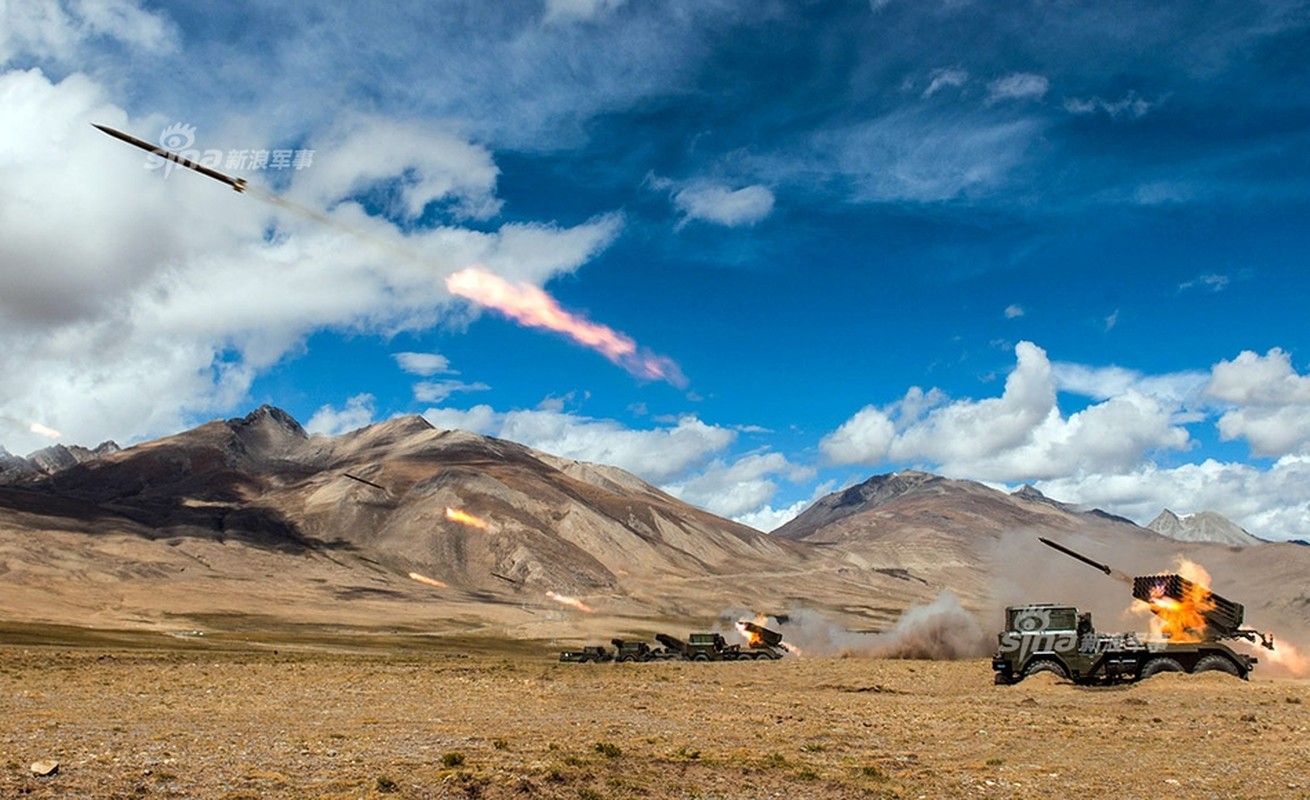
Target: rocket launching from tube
{"points": [[239, 184]]}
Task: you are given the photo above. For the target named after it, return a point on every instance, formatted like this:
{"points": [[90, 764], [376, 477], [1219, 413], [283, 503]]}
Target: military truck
{"points": [[1055, 638], [1059, 639], [626, 650], [597, 654]]}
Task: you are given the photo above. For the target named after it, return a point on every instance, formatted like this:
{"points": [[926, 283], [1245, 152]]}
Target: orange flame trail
{"points": [[572, 602], [429, 581], [465, 518], [530, 306]]}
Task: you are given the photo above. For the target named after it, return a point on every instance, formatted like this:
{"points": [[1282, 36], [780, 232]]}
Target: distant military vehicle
{"points": [[1058, 639], [626, 650], [589, 654]]}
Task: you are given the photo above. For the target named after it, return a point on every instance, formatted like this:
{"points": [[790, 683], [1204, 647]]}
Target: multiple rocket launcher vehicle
{"points": [[762, 644], [1194, 624]]}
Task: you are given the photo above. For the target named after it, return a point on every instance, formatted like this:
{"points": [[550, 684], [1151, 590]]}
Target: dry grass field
{"points": [[244, 719]]}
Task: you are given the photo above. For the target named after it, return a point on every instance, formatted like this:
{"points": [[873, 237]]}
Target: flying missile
{"points": [[239, 184]]}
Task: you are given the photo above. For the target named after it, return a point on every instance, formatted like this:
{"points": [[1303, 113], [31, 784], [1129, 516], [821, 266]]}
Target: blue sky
{"points": [[1030, 242]]}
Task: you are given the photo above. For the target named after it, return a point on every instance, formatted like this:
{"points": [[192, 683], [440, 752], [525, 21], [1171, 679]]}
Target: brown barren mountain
{"points": [[250, 523]]}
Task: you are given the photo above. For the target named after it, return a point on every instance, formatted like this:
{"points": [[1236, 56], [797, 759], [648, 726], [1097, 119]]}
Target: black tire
{"points": [[1002, 679], [1217, 664], [1161, 664], [700, 657], [1046, 665]]}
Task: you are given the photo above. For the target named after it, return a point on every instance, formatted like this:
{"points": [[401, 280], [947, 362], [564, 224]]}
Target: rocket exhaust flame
{"points": [[530, 306], [571, 602], [44, 430], [524, 303], [465, 518], [414, 576]]}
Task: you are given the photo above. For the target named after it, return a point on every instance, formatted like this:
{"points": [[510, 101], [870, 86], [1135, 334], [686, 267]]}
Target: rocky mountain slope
{"points": [[252, 522]]}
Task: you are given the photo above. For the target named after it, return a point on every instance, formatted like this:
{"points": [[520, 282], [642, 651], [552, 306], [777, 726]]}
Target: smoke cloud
{"points": [[940, 630], [530, 306]]}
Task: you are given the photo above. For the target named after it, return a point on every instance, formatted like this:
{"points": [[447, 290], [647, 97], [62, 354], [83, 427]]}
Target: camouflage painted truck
{"points": [[1059, 639], [591, 654]]}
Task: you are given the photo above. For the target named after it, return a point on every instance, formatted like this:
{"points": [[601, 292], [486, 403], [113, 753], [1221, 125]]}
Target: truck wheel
{"points": [[1157, 665], [700, 657], [1217, 664], [1046, 665]]}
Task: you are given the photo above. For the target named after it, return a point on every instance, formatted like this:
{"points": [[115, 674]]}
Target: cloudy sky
{"points": [[751, 250]]}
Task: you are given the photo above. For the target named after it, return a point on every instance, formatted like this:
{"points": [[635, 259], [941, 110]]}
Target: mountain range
{"points": [[399, 525]]}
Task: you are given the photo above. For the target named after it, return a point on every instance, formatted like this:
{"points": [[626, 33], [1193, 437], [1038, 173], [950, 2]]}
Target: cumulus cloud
{"points": [[57, 30], [1270, 503], [423, 364], [717, 203], [358, 412], [1020, 436], [1272, 402], [736, 488], [1018, 86], [437, 391]]}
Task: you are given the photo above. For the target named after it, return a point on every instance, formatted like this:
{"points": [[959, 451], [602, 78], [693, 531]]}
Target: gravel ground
{"points": [[145, 723]]}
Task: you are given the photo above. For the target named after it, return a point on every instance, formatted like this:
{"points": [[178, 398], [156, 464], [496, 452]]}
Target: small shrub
{"points": [[500, 744], [873, 771], [386, 785], [813, 747], [608, 749], [807, 774], [589, 794], [452, 760], [775, 760], [573, 761], [685, 752], [995, 762]]}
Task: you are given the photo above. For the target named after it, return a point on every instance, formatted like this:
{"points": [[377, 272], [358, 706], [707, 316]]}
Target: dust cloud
{"points": [[940, 630]]}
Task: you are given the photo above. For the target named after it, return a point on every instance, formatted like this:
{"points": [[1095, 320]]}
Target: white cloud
{"points": [[1130, 106], [1018, 86], [1272, 402], [1020, 435], [768, 519], [911, 155], [578, 10], [57, 30], [1269, 503], [1211, 281], [732, 489], [429, 164], [720, 205], [437, 391], [423, 364], [1014, 311], [943, 78], [358, 412], [1252, 379]]}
